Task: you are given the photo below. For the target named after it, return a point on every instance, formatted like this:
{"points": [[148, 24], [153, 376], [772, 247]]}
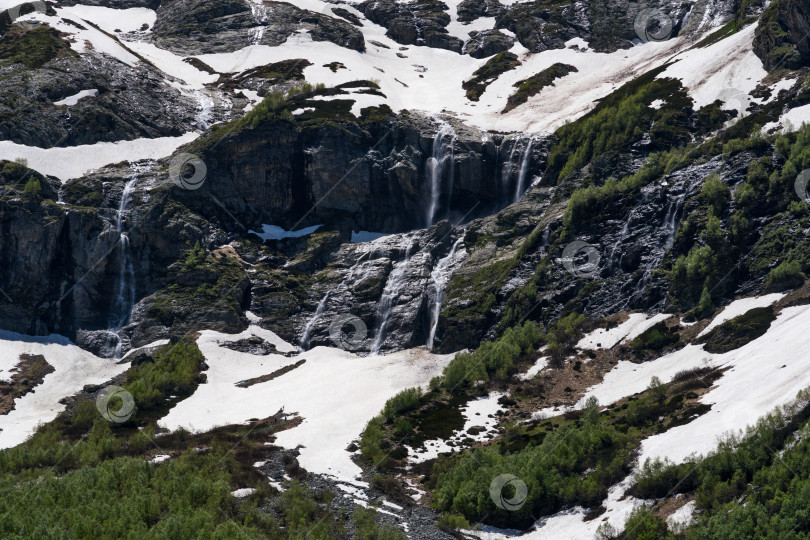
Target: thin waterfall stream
{"points": [[442, 160], [125, 281], [391, 291], [440, 276]]}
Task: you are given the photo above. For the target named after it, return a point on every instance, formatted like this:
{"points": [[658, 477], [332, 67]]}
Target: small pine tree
{"points": [[32, 189]]}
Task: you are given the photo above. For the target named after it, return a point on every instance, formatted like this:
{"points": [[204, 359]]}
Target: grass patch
{"points": [[488, 73], [739, 331], [535, 84], [33, 48]]}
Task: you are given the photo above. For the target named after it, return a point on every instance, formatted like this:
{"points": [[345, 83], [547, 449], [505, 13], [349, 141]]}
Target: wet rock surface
{"points": [[207, 26]]}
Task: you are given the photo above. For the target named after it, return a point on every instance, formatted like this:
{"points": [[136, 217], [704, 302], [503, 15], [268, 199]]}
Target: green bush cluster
{"points": [[574, 464], [591, 201], [619, 120], [527, 88], [493, 358], [489, 72], [175, 370]]}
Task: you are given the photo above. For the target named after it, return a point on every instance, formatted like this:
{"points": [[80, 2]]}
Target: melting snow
{"points": [[74, 161], [634, 326], [73, 369], [274, 232], [335, 392], [741, 307], [74, 99]]}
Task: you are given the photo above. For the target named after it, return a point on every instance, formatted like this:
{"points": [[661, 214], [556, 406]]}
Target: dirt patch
{"points": [[30, 372], [270, 376]]}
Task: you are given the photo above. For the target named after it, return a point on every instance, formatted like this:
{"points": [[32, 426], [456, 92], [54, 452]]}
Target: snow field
{"points": [[335, 392], [73, 369]]}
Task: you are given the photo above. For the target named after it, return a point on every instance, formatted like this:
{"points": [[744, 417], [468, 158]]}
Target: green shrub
{"points": [[715, 193], [788, 275], [407, 399], [738, 331]]}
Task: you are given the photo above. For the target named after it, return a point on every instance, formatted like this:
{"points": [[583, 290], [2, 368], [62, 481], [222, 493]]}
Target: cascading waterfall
{"points": [[645, 195], [391, 291], [352, 278], [256, 34], [311, 324], [440, 276], [524, 170], [205, 113], [443, 153], [125, 290]]}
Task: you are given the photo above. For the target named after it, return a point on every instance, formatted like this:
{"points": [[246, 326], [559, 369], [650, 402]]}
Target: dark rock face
{"points": [[208, 26], [391, 285], [373, 177], [423, 22], [487, 43], [781, 36], [470, 10], [116, 4], [131, 103]]}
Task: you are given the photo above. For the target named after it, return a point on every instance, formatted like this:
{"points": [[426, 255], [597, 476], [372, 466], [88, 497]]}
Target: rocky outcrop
{"points": [[374, 176], [487, 43], [470, 10], [208, 26], [423, 22], [389, 286], [120, 103], [781, 35]]}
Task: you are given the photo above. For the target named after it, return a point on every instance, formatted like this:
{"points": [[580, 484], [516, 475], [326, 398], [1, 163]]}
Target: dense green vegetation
{"points": [[489, 72], [755, 485], [532, 86], [566, 460], [621, 119]]}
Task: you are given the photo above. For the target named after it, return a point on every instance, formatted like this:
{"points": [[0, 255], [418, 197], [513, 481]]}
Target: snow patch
{"points": [[75, 161], [74, 99], [334, 391]]}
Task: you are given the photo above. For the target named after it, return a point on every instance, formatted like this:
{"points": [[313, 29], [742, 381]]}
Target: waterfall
{"points": [[125, 290], [524, 169], [393, 285], [311, 324], [437, 164], [440, 276], [670, 221], [205, 112], [256, 34], [352, 278]]}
